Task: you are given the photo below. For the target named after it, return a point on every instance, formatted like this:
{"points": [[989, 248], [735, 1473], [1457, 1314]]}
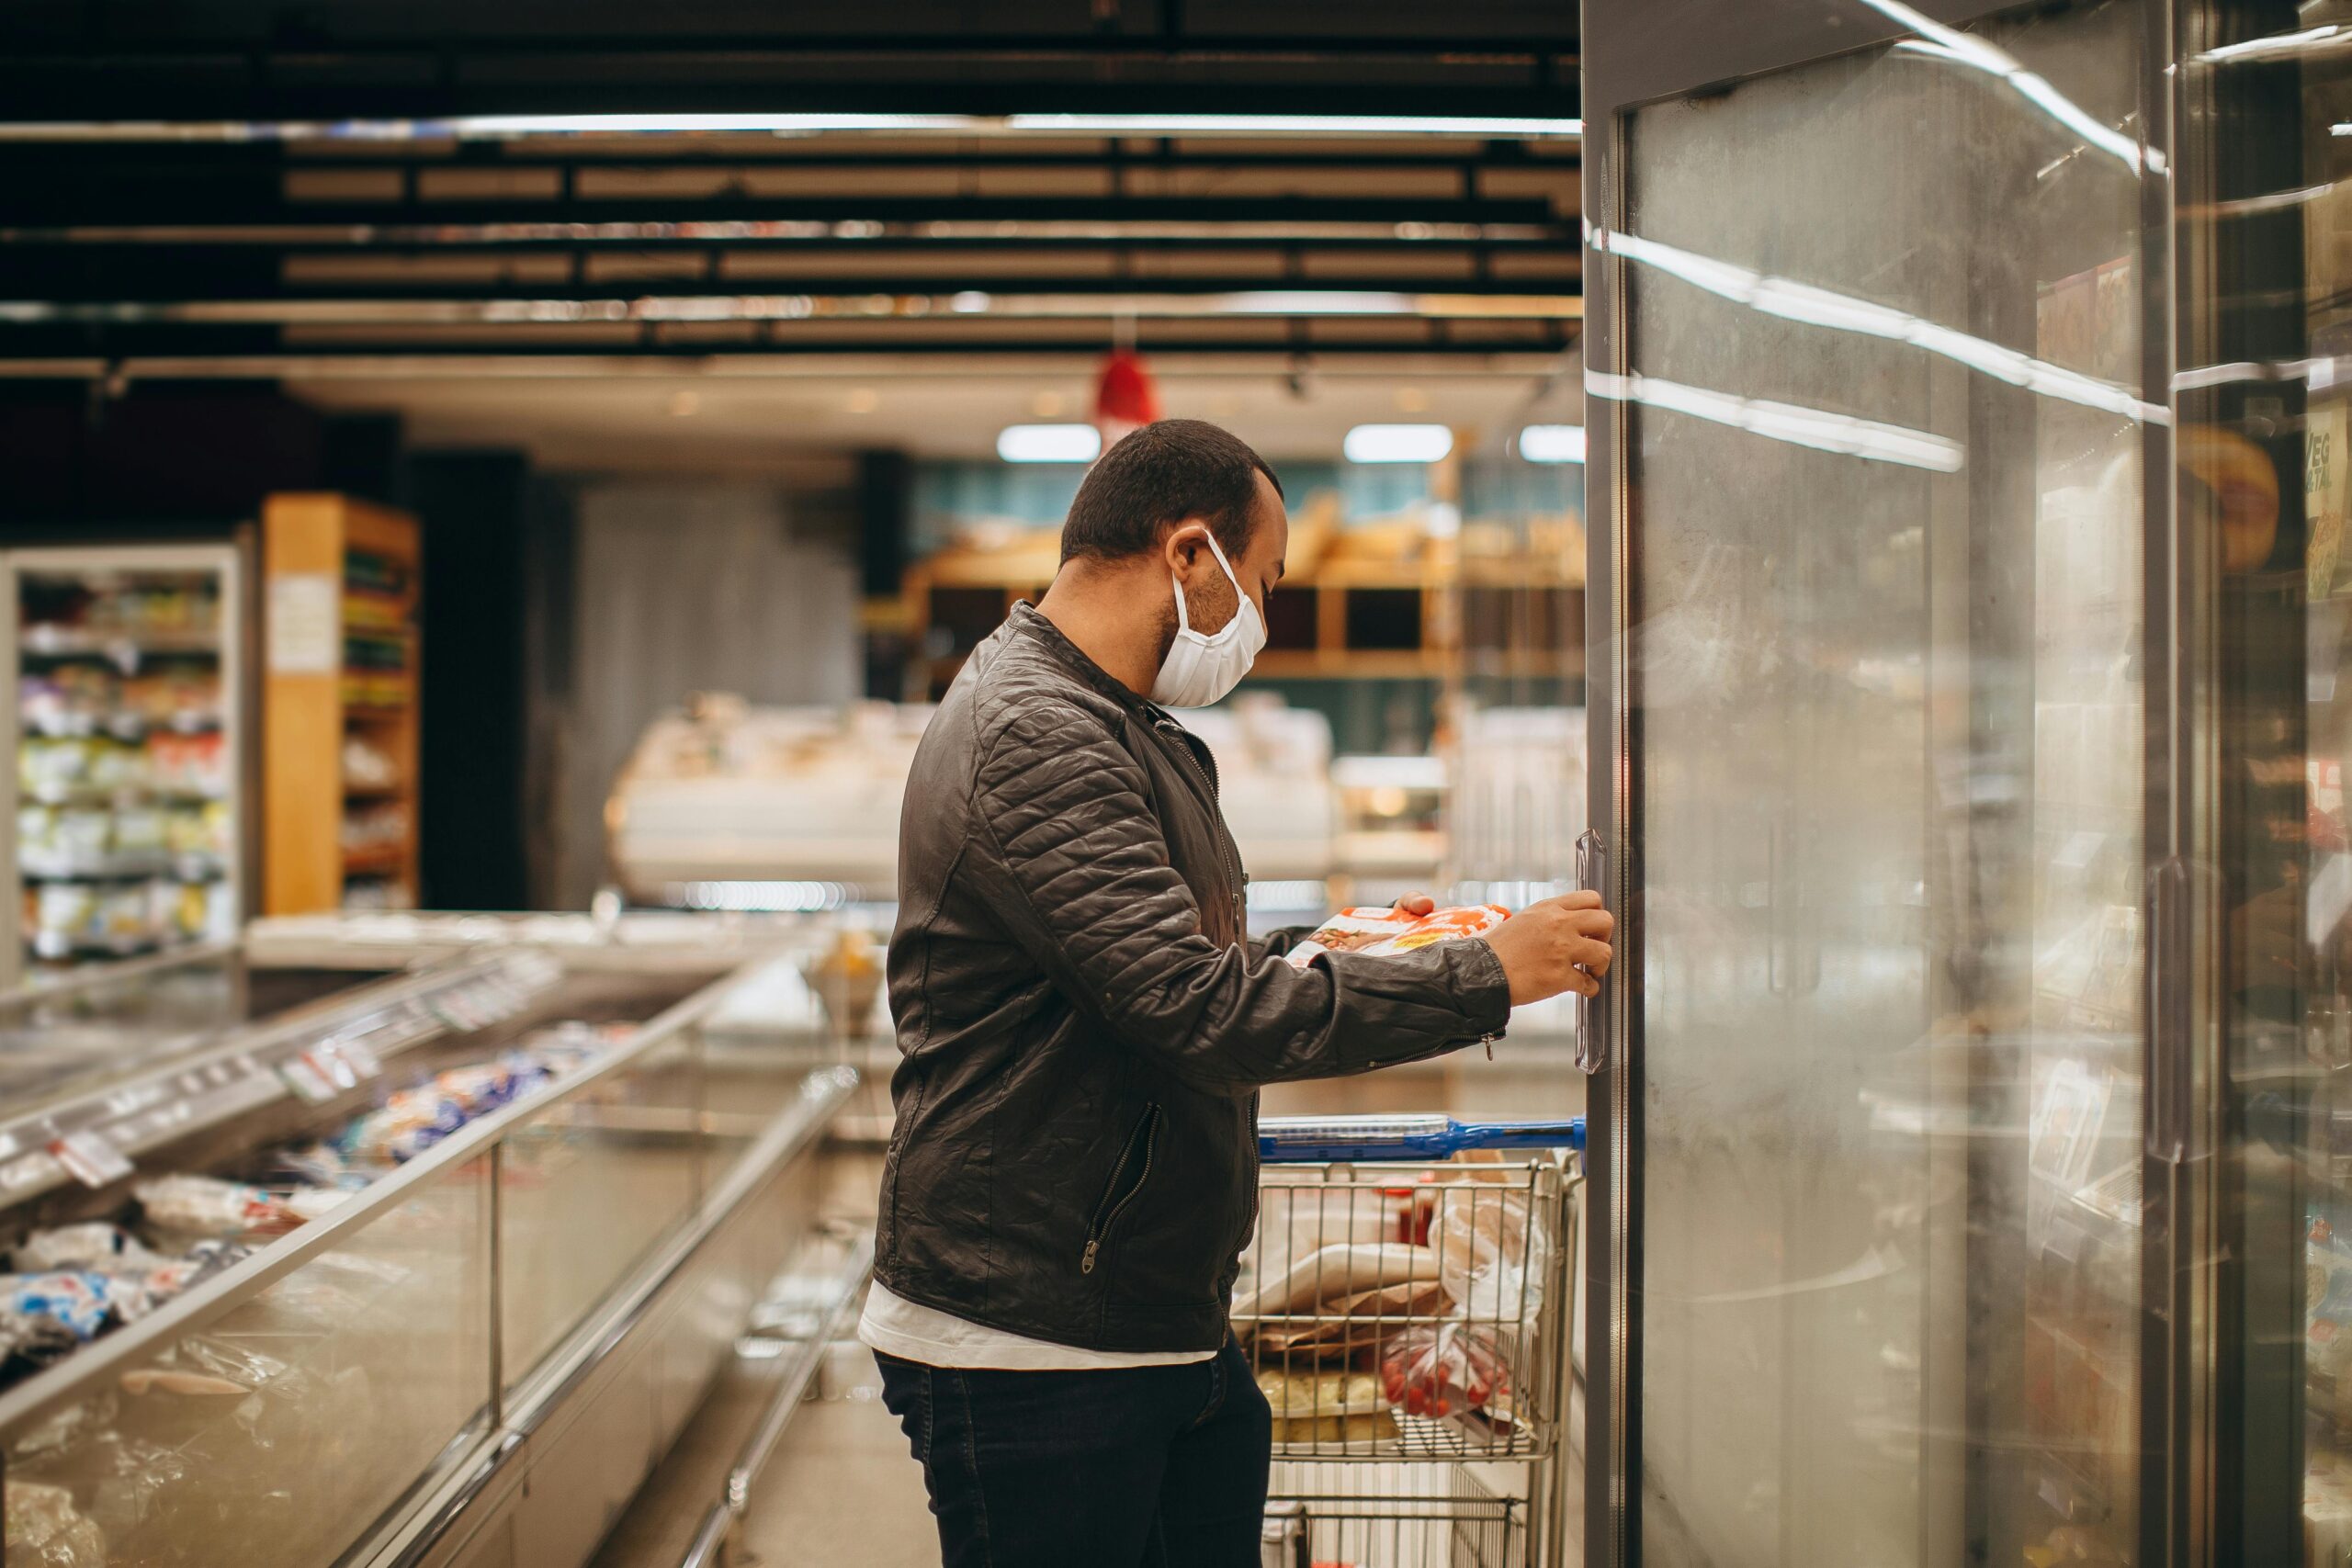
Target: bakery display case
{"points": [[728, 806], [379, 1256]]}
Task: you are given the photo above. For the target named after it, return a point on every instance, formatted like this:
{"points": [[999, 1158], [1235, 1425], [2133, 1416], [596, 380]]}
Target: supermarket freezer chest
{"points": [[329, 1285]]}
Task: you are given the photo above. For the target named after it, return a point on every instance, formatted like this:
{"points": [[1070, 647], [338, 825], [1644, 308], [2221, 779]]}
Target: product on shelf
{"points": [[74, 1282], [67, 918], [195, 763], [173, 696], [375, 829], [366, 765], [204, 1207]]}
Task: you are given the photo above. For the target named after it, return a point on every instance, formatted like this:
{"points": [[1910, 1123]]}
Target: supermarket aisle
{"points": [[843, 1488]]}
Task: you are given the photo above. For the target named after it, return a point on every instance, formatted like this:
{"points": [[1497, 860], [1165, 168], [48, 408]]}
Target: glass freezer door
{"points": [[126, 705], [1868, 358]]}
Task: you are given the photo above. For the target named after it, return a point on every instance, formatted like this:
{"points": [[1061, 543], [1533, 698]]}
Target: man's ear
{"points": [[1185, 544]]}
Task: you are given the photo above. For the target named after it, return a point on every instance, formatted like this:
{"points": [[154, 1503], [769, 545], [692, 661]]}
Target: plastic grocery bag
{"points": [[1493, 1252]]}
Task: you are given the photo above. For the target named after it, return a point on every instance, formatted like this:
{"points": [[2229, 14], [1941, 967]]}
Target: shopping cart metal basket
{"points": [[1404, 1304]]}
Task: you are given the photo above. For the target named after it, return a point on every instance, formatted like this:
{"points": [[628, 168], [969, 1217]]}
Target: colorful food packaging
{"points": [[80, 1300], [1378, 931], [96, 1245]]}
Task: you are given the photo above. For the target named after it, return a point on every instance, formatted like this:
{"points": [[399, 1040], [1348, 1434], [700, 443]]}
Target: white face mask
{"points": [[1202, 667]]}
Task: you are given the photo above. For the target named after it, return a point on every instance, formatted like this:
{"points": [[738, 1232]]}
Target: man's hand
{"points": [[1416, 904], [1559, 944]]}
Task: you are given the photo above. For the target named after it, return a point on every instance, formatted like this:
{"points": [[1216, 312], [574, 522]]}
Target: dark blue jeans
{"points": [[1145, 1465]]}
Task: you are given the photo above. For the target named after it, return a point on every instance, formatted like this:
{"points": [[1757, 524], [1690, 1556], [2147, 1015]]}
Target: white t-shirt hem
{"points": [[913, 1332]]}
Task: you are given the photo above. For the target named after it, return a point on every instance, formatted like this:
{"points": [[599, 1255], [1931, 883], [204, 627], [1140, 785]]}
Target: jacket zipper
{"points": [[1224, 836], [1149, 1129]]}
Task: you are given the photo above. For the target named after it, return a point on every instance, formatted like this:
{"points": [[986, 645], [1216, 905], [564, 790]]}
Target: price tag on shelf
{"points": [[363, 1060], [303, 1076], [304, 624], [90, 1158]]}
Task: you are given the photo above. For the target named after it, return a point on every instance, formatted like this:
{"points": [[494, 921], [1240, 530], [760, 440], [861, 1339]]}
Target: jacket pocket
{"points": [[1127, 1181]]}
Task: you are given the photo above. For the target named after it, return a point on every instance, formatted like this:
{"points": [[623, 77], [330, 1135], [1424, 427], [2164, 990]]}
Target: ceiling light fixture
{"points": [[1552, 443], [515, 127], [1397, 444], [1049, 443]]}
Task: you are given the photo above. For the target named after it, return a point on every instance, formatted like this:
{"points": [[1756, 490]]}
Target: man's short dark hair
{"points": [[1165, 473]]}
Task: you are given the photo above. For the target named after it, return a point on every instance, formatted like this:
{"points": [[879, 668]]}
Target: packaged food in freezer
{"points": [[204, 1207], [93, 1245]]}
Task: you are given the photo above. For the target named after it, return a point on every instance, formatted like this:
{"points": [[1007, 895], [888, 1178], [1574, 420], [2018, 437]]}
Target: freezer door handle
{"points": [[1592, 864], [2173, 1130]]}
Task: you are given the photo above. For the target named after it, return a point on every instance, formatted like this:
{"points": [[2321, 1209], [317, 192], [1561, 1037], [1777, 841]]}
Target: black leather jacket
{"points": [[1084, 1023]]}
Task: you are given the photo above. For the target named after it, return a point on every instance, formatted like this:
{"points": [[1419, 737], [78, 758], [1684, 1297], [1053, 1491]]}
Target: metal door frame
{"points": [[1637, 52]]}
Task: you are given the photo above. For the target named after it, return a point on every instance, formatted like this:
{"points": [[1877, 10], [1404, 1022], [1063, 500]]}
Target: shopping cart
{"points": [[1405, 1310]]}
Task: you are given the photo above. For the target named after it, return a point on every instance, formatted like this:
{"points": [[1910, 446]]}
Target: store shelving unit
{"points": [[1404, 609], [340, 704], [124, 709]]}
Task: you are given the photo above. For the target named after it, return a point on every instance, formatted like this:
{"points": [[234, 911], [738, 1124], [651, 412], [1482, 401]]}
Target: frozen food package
{"points": [[95, 1244], [1339, 1271], [199, 1207], [80, 1300], [409, 1123], [45, 1530], [1378, 931], [29, 1342]]}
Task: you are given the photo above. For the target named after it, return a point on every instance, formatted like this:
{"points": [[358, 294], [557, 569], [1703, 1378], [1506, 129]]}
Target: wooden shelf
{"points": [[393, 861], [309, 543]]}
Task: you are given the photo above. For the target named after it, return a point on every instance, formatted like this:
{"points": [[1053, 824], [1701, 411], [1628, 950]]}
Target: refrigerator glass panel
{"points": [[2266, 411], [1883, 459], [127, 772]]}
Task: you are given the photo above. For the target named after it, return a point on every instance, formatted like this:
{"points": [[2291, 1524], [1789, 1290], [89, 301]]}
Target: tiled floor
{"points": [[842, 1489]]}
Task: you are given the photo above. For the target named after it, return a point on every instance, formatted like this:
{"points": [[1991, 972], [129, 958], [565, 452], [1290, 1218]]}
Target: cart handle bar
{"points": [[1318, 1139]]}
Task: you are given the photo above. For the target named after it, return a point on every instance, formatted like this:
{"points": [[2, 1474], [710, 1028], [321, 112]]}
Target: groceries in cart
{"points": [[1327, 1408], [1378, 931], [1423, 1288]]}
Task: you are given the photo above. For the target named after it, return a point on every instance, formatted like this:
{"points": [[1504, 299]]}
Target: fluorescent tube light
{"points": [[1049, 443], [1397, 443], [1552, 443]]}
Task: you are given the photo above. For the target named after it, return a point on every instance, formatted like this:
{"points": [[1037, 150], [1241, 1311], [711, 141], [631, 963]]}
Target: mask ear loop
{"points": [[1183, 621]]}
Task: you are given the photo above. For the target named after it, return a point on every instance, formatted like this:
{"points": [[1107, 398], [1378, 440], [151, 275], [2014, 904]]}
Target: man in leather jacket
{"points": [[1084, 1024]]}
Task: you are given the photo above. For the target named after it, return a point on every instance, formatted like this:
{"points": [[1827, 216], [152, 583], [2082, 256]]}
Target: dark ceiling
{"points": [[187, 180]]}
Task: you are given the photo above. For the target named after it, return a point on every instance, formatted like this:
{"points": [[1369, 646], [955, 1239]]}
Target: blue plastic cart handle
{"points": [[1319, 1140]]}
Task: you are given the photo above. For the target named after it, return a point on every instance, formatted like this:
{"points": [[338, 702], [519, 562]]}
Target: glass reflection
{"points": [[1887, 679]]}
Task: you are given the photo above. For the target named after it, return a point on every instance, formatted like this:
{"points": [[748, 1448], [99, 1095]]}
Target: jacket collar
{"points": [[1026, 620]]}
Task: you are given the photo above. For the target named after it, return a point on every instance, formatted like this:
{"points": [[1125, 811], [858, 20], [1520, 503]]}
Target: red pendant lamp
{"points": [[1126, 397]]}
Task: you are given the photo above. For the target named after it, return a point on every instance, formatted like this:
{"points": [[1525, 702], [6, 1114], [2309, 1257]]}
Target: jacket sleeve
{"points": [[1280, 940], [1091, 895]]}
